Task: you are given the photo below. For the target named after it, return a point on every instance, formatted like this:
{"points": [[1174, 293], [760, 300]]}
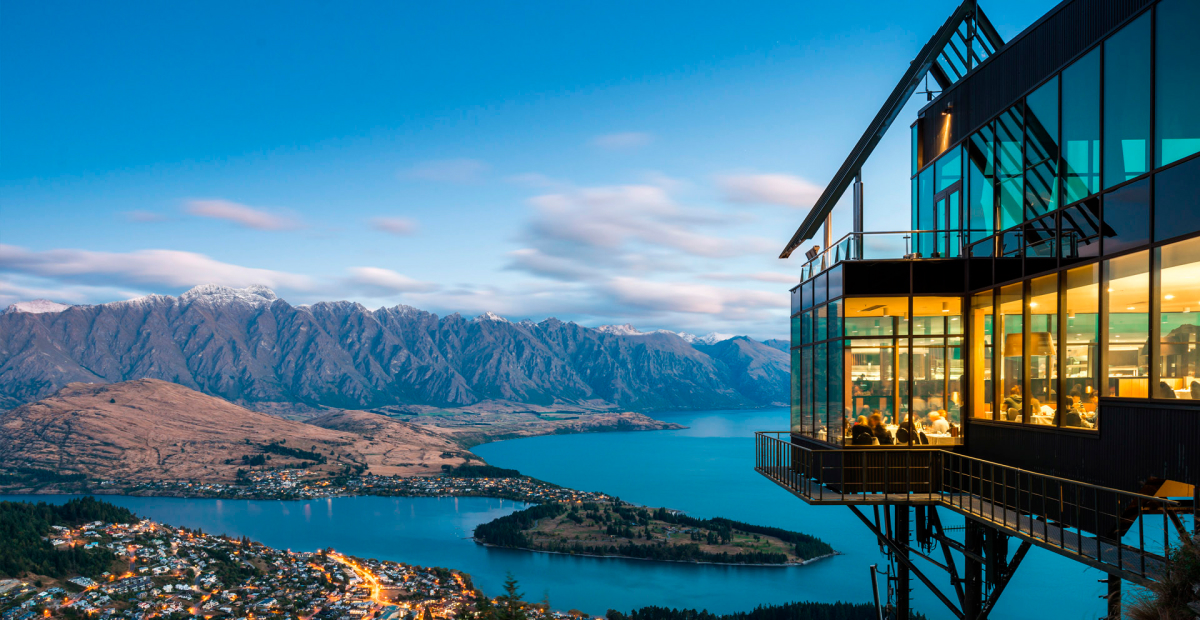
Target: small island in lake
{"points": [[624, 530]]}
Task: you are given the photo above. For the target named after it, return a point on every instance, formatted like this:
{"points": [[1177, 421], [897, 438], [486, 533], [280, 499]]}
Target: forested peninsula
{"points": [[620, 529]]}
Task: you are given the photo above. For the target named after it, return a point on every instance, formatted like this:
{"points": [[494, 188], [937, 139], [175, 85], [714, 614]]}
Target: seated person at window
{"points": [[1075, 416], [1195, 387], [861, 433], [879, 431], [938, 422], [1012, 404], [1042, 414]]}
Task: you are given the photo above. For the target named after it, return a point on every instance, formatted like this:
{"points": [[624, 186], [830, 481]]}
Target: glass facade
{"points": [[1087, 191]]}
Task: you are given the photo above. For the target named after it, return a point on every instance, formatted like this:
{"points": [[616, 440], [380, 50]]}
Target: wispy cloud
{"points": [[690, 298], [761, 276], [241, 214], [395, 225], [169, 268], [773, 189], [623, 140], [448, 171], [144, 216], [378, 280]]}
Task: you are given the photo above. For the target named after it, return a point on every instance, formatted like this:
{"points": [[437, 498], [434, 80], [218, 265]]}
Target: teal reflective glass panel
{"points": [[820, 378], [1041, 124], [1127, 102], [1176, 81], [836, 410], [819, 324], [797, 412], [797, 330], [806, 384], [806, 327], [834, 310], [1010, 167], [981, 190], [1041, 190], [948, 169], [1081, 128], [925, 216]]}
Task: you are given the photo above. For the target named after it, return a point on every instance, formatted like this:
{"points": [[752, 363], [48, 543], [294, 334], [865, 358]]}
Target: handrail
{"points": [[854, 251], [976, 459], [1050, 511]]}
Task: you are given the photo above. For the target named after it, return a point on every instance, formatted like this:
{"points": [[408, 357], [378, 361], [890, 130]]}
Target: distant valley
{"points": [[251, 348]]}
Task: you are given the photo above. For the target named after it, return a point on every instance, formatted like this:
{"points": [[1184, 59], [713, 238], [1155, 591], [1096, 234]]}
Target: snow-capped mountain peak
{"points": [[215, 293], [620, 330], [37, 306], [709, 338], [491, 316]]}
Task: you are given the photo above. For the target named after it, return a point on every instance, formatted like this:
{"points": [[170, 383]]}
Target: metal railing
{"points": [[1085, 521], [890, 244]]}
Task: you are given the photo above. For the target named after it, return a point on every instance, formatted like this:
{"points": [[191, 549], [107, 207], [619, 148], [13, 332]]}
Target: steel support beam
{"points": [[903, 587], [908, 563], [998, 589], [973, 543]]}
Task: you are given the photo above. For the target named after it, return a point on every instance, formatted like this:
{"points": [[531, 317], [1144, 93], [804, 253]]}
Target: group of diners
{"points": [[871, 430], [1081, 408]]}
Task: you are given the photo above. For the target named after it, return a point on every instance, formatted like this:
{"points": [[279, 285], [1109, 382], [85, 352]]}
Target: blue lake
{"points": [[705, 470]]}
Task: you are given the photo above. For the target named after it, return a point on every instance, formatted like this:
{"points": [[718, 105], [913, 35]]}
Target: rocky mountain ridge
{"points": [[250, 347]]}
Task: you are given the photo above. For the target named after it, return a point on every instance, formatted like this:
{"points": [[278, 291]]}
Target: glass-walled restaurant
{"points": [[1082, 202]]}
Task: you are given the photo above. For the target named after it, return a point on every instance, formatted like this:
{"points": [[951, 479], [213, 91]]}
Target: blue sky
{"points": [[599, 162]]}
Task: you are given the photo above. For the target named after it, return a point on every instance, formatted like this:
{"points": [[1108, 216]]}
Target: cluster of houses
{"points": [[179, 574], [303, 484]]}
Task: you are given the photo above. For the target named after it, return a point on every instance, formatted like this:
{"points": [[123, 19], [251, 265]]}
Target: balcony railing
{"points": [[1089, 523], [887, 245]]}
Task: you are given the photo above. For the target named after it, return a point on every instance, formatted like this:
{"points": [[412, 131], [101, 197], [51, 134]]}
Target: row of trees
{"points": [[787, 611], [23, 526]]}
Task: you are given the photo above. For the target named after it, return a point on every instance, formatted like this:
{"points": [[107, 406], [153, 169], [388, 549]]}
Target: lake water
{"points": [[705, 470]]}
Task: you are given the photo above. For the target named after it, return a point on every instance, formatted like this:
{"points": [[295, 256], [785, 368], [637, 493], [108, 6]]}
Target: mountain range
{"points": [[250, 347]]}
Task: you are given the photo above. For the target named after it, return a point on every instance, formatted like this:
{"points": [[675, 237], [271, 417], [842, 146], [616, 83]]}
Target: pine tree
{"points": [[510, 606]]}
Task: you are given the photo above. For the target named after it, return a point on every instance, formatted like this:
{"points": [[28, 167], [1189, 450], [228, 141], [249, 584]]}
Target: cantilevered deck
{"points": [[1101, 527]]}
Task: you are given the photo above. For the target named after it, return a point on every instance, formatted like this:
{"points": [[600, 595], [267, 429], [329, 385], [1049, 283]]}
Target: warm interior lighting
{"points": [[1169, 297], [946, 307], [1033, 304], [1130, 308]]}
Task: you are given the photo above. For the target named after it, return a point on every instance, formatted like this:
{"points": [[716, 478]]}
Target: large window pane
{"points": [[1011, 329], [1083, 346], [1041, 189], [819, 324], [1177, 200], [820, 380], [1080, 226], [1179, 306], [1010, 166], [1127, 102], [797, 330], [932, 315], [980, 184], [1128, 296], [1081, 128], [870, 368], [948, 169], [1127, 217], [1177, 81], [954, 388], [1041, 124], [806, 329], [836, 410], [1043, 349], [981, 355], [925, 243], [797, 392], [876, 316], [806, 392], [835, 319]]}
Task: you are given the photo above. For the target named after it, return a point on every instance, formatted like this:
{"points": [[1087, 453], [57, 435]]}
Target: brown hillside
{"points": [[148, 430]]}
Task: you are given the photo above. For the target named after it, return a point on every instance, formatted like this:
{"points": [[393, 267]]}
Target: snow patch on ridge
{"points": [[491, 316], [621, 330], [709, 338], [254, 294], [36, 306]]}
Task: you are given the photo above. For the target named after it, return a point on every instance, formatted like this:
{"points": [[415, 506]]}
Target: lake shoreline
{"points": [[626, 557]]}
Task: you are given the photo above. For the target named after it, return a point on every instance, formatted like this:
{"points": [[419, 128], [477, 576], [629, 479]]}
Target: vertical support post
{"points": [[858, 214], [829, 259], [973, 573], [1114, 597], [902, 572]]}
